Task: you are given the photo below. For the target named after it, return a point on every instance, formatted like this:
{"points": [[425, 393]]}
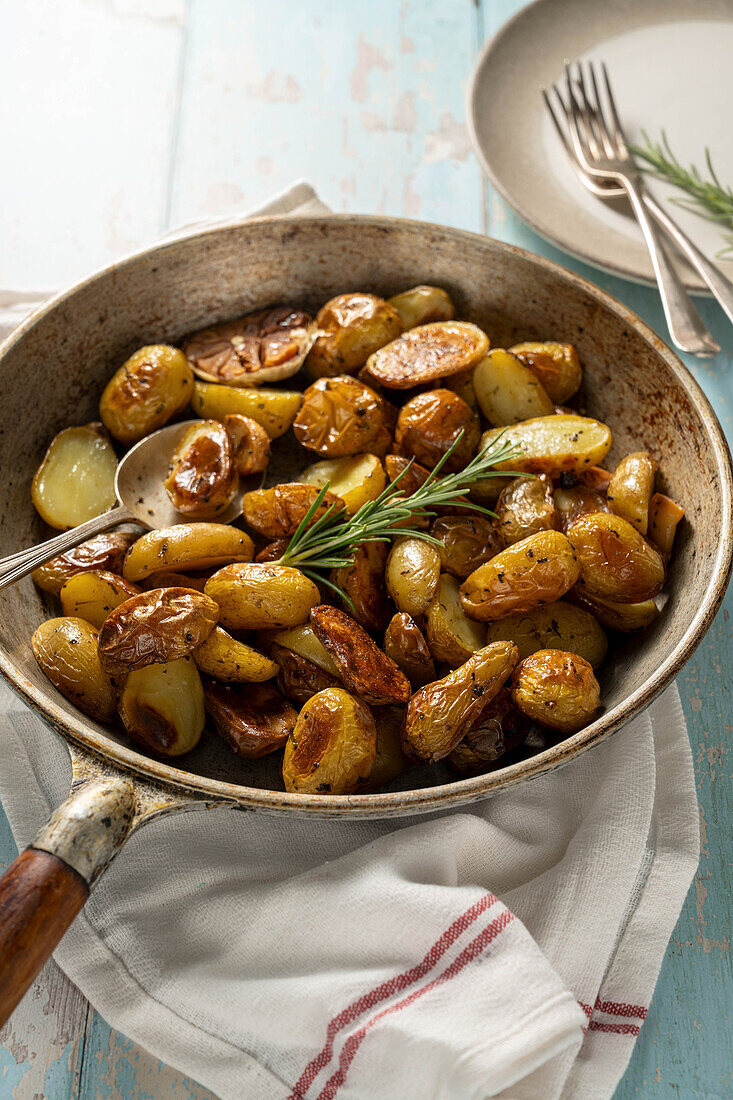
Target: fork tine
{"points": [[619, 135], [594, 112], [584, 133], [558, 125]]}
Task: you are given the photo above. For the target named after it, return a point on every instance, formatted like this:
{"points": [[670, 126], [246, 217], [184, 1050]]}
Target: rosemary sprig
{"points": [[707, 197], [331, 541]]}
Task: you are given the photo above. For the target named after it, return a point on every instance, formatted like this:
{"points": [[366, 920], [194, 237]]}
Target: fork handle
{"points": [[684, 322]]}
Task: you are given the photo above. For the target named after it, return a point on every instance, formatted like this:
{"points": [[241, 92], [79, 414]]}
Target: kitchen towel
{"points": [[510, 949]]}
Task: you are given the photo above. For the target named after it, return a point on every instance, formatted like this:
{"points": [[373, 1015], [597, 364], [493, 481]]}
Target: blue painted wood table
{"points": [[120, 120]]}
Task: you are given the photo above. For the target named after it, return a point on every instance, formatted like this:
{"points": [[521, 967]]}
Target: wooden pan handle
{"points": [[39, 897]]}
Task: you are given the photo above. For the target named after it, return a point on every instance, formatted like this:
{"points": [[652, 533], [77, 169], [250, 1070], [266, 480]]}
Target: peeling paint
{"points": [[277, 88], [449, 142], [368, 58]]}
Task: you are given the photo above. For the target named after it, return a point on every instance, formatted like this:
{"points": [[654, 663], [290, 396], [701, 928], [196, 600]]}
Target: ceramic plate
{"points": [[670, 63]]}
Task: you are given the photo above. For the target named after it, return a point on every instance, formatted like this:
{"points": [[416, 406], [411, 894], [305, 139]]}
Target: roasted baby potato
{"points": [[154, 628], [355, 479], [93, 595], [66, 650], [627, 618], [185, 547], [664, 516], [203, 479], [462, 384], [501, 728], [303, 641], [556, 365], [537, 570], [250, 444], [102, 552], [227, 659], [410, 473], [169, 579], [428, 352], [350, 327], [558, 625], [630, 490], [278, 512], [508, 391], [253, 719], [452, 637], [162, 707], [429, 424], [76, 480], [265, 346], [556, 689], [149, 388], [405, 644], [422, 304], [299, 678], [525, 507], [440, 714], [413, 571], [339, 416], [363, 667], [333, 746], [363, 583], [616, 562], [274, 410], [465, 542], [390, 760], [575, 501], [552, 444], [254, 596]]}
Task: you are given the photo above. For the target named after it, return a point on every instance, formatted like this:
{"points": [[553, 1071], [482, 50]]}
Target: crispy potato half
{"points": [[93, 595], [250, 444], [299, 678], [405, 644], [363, 584], [553, 444], [440, 714], [154, 628], [277, 513], [333, 746], [303, 641], [556, 366], [350, 327], [149, 388], [466, 542], [274, 410], [76, 480], [185, 547], [556, 689], [253, 719], [265, 346], [422, 304], [508, 391], [339, 416], [355, 479], [575, 501], [428, 352], [525, 507], [616, 562], [452, 636], [226, 659], [627, 618], [429, 424], [256, 596], [102, 552], [203, 479], [630, 490], [66, 651], [364, 668], [162, 707], [501, 728], [413, 571], [539, 569], [664, 516], [558, 625]]}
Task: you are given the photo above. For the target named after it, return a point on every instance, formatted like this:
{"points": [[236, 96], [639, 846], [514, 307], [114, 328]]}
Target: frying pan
{"points": [[52, 370]]}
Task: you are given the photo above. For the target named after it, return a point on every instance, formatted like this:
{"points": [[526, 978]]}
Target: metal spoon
{"points": [[141, 498]]}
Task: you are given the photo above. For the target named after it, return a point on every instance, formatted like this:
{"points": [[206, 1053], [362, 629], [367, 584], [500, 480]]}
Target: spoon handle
{"points": [[16, 566]]}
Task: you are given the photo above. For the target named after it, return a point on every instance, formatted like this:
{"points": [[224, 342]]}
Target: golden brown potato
{"points": [[350, 327], [339, 416], [254, 596], [265, 346], [664, 517], [558, 625], [405, 644], [299, 678], [149, 388], [537, 570], [185, 547], [413, 571], [422, 304], [390, 760], [556, 689], [274, 410], [76, 480], [250, 444], [630, 490], [466, 542], [616, 562], [278, 512], [102, 552], [66, 650], [410, 473], [363, 667], [428, 352], [440, 714], [452, 637], [273, 551], [93, 595], [333, 746], [429, 424], [553, 444], [575, 501], [556, 365], [162, 707], [624, 617], [363, 583], [169, 579], [154, 628], [253, 719], [303, 641], [227, 659], [525, 507], [595, 478], [508, 391], [355, 479], [462, 384], [501, 728], [203, 479]]}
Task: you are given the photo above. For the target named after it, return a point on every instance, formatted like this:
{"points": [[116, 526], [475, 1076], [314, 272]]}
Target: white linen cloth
{"points": [[510, 949]]}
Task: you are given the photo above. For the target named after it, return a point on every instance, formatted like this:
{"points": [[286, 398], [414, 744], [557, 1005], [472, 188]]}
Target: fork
{"points": [[601, 151]]}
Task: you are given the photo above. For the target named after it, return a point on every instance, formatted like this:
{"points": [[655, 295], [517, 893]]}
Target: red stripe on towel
{"points": [[618, 1008], [614, 1029]]}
